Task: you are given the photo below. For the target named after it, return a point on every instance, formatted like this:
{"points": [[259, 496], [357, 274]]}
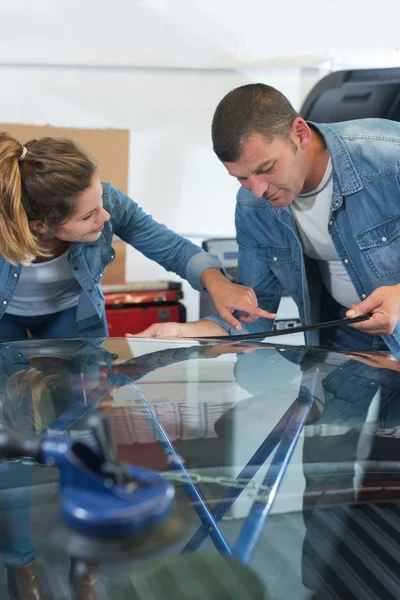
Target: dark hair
{"points": [[249, 109], [40, 183]]}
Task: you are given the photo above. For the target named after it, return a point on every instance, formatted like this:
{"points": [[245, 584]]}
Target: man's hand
{"points": [[228, 297], [181, 330], [384, 304]]}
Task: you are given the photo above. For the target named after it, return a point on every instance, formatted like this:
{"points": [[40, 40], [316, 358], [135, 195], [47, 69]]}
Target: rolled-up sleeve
{"points": [[199, 263]]}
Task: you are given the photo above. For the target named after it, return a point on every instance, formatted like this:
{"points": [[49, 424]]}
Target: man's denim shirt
{"points": [[89, 260], [364, 223]]}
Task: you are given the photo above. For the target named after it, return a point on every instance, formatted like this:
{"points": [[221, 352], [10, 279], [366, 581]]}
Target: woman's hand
{"points": [[228, 297]]}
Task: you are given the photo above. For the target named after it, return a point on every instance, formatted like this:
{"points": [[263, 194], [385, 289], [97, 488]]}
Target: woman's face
{"points": [[87, 222]]}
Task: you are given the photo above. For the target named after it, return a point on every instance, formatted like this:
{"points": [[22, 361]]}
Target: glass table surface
{"points": [[282, 461]]}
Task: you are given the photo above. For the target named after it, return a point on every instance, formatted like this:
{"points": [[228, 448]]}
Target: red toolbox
{"points": [[132, 307]]}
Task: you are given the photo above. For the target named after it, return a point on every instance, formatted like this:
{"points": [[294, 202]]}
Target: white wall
{"points": [[201, 34], [159, 68]]}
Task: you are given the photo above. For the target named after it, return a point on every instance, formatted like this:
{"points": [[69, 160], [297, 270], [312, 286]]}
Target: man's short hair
{"points": [[255, 108]]}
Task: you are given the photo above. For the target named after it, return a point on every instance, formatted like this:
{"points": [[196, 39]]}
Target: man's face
{"points": [[274, 170]]}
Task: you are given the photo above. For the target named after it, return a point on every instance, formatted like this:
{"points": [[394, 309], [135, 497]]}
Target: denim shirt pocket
{"points": [[280, 260], [380, 245]]}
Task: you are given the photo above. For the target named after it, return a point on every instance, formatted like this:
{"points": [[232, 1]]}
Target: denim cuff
{"points": [[229, 329], [197, 264]]}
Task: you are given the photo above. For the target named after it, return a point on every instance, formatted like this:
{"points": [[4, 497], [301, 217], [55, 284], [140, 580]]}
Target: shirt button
{"points": [[330, 223], [346, 261], [363, 296], [101, 274], [15, 274], [384, 239], [275, 259], [4, 301]]}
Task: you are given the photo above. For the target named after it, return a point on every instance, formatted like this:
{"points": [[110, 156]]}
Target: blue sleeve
{"points": [[157, 242]]}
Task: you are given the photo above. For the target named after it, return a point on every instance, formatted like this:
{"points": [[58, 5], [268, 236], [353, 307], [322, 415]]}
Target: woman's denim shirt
{"points": [[88, 261], [364, 224]]}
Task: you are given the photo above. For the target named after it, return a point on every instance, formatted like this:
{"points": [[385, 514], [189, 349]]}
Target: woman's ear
{"points": [[38, 226]]}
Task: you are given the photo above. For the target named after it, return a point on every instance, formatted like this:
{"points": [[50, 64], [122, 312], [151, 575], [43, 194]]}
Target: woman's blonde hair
{"points": [[25, 392], [41, 183]]}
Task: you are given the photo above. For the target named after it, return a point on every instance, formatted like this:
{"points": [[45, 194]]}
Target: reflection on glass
{"points": [[211, 416]]}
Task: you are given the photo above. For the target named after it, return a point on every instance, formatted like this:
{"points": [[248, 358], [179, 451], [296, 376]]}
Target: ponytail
{"points": [[17, 242]]}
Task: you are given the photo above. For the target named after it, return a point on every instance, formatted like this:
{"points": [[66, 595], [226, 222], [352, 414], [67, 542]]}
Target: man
{"points": [[318, 214]]}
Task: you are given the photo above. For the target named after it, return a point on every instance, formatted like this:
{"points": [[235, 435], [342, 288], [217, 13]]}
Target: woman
{"points": [[57, 221]]}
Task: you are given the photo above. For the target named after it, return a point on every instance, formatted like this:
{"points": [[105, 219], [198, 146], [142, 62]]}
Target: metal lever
{"points": [[100, 427]]}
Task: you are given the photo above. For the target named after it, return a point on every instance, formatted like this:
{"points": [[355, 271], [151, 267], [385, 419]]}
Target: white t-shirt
{"points": [[45, 288], [311, 214]]}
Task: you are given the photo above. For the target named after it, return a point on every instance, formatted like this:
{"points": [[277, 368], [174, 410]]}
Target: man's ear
{"points": [[302, 132], [38, 226]]}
